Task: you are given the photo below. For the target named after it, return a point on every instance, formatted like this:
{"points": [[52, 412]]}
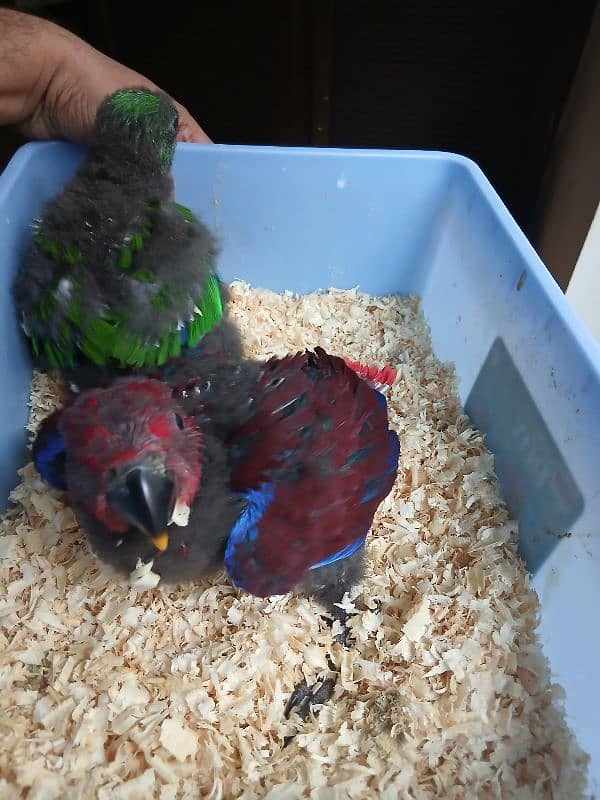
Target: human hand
{"points": [[52, 82]]}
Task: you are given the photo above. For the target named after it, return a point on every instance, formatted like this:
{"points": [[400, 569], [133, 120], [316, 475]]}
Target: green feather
{"points": [[56, 356], [56, 251], [125, 258], [99, 340], [46, 246], [127, 348], [186, 213], [46, 307], [133, 104], [211, 303], [75, 312], [163, 351], [133, 242], [160, 299], [65, 333], [210, 307], [144, 275], [71, 256]]}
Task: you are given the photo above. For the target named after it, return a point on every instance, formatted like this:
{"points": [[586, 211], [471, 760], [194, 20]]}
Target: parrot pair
{"points": [[118, 276], [273, 469]]}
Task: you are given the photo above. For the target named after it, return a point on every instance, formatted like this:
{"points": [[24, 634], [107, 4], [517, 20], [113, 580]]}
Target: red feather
{"points": [[378, 377], [319, 434], [110, 427]]}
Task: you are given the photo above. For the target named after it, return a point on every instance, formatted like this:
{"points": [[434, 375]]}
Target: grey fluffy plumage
{"points": [[121, 189], [217, 391]]}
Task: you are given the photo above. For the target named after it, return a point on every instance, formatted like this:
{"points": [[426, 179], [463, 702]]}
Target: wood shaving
{"points": [[109, 691], [142, 576], [418, 621]]}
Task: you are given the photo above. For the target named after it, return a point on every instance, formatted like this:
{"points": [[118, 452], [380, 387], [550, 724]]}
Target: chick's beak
{"points": [[161, 542], [145, 496]]}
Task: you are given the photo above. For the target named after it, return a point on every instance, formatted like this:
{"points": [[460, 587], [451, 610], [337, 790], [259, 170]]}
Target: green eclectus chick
{"points": [[118, 276]]}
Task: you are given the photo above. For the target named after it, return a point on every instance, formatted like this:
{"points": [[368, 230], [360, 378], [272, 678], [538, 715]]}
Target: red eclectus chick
{"points": [[313, 462], [137, 471]]}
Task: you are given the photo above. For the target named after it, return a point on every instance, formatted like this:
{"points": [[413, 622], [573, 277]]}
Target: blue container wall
{"points": [[426, 223], [319, 221]]}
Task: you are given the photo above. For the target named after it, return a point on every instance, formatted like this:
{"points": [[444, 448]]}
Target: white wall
{"points": [[583, 290]]}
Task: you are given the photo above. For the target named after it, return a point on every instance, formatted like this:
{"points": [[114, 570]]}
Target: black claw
{"points": [[298, 696], [305, 709], [303, 699], [342, 616], [342, 638], [323, 693]]}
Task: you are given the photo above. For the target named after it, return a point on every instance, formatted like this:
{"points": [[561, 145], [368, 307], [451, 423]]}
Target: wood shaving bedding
{"points": [[113, 692]]}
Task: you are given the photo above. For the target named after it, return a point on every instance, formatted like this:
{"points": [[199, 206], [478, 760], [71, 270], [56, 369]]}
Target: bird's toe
{"points": [[304, 697]]}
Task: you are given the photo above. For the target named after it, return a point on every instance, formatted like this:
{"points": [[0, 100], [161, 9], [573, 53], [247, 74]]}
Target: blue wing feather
{"points": [[346, 552], [245, 531], [49, 458]]}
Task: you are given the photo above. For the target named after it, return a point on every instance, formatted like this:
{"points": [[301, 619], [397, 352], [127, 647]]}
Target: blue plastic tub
{"points": [[409, 222]]}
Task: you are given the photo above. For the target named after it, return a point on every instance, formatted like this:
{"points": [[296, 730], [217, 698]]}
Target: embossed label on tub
{"points": [[535, 481]]}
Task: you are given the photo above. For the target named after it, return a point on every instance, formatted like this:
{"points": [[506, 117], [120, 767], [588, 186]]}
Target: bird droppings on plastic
{"points": [[444, 692], [556, 535]]}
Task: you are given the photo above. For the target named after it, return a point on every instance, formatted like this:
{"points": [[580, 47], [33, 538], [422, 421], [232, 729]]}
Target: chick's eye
{"points": [[179, 422]]}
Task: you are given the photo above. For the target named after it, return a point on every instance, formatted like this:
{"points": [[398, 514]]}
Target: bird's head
{"points": [[140, 120], [127, 455]]}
